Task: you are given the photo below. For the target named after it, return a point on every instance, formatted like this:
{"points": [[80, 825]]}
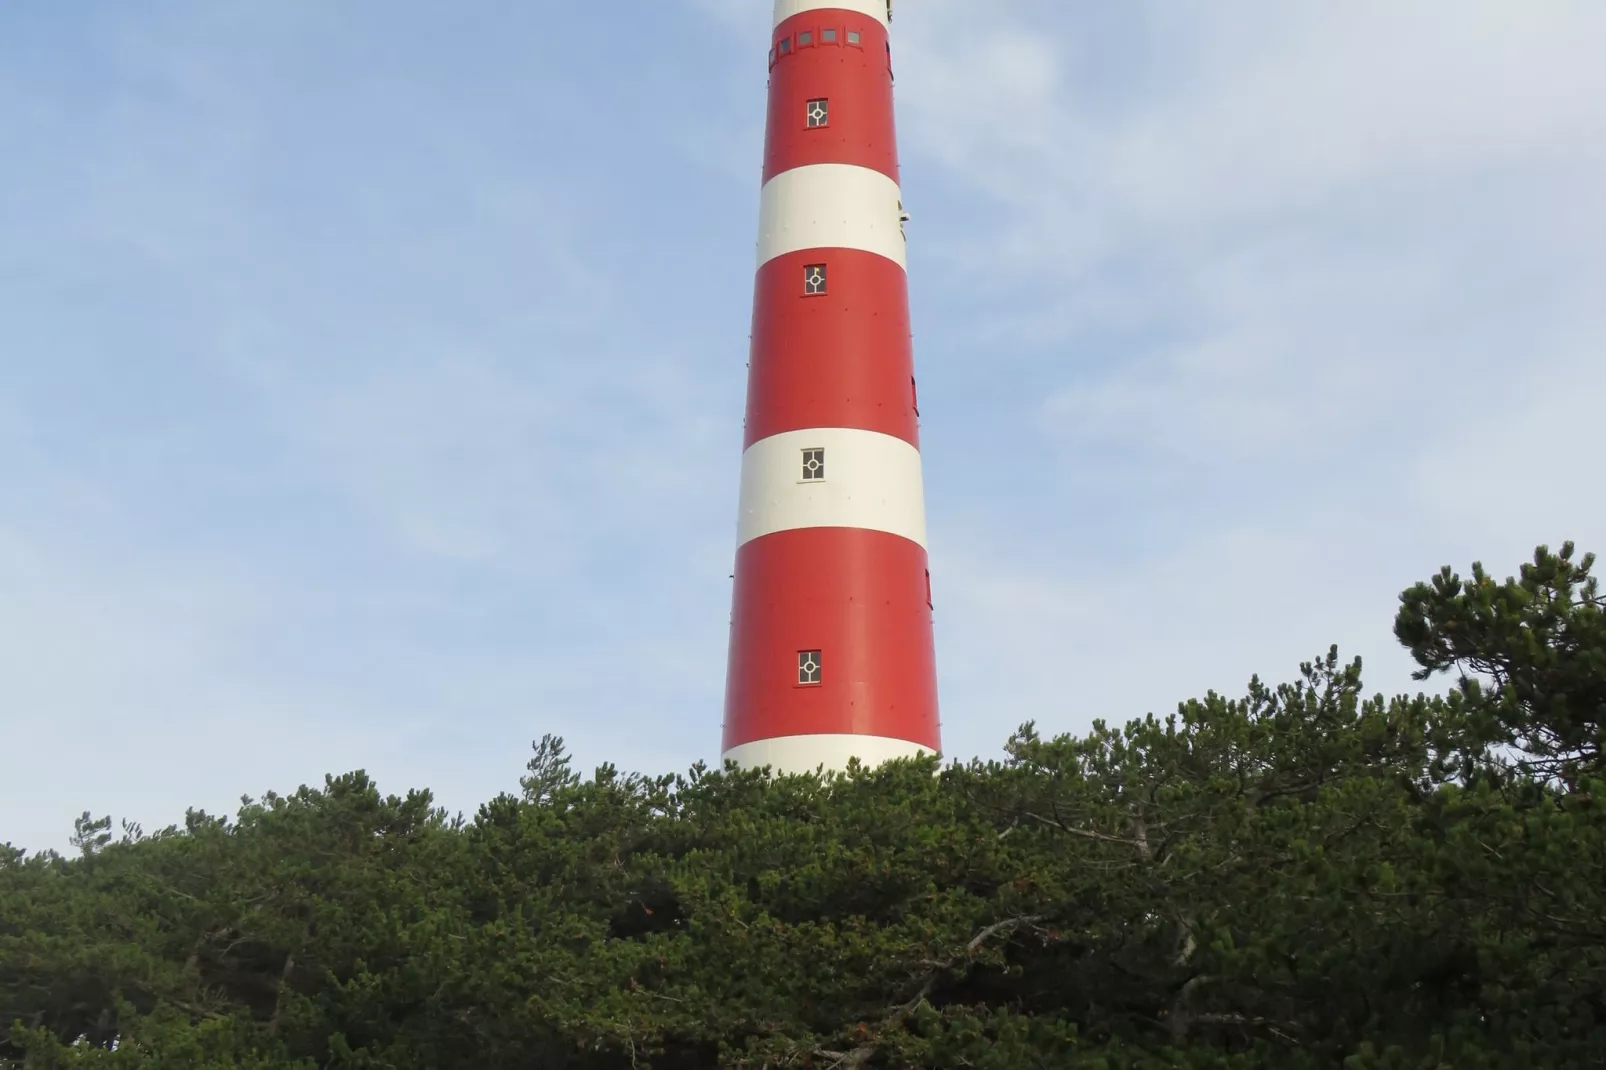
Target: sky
{"points": [[371, 376]]}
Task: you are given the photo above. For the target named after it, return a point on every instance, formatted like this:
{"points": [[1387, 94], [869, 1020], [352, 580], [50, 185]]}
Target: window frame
{"points": [[818, 657], [803, 465], [825, 275], [808, 117]]}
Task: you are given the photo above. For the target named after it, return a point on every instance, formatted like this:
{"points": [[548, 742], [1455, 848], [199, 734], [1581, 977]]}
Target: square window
{"points": [[814, 280], [827, 37], [813, 465], [818, 113], [853, 37], [805, 39], [784, 46], [808, 667], [772, 57]]}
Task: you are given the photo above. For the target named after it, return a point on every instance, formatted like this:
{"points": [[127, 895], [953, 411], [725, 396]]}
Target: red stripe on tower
{"points": [[831, 654]]}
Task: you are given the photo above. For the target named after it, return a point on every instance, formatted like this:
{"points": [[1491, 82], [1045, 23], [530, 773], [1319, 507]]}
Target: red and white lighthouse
{"points": [[831, 652]]}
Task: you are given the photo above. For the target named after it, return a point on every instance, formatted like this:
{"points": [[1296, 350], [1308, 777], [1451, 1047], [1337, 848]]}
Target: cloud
{"points": [[1206, 123], [1273, 307], [361, 424], [382, 395]]}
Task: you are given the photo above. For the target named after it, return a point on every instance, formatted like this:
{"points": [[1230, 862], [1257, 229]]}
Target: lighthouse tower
{"points": [[831, 653]]}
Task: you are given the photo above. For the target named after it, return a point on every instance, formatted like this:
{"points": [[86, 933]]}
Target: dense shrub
{"points": [[1302, 877]]}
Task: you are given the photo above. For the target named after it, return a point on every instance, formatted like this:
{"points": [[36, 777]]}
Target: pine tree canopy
{"points": [[1300, 877]]}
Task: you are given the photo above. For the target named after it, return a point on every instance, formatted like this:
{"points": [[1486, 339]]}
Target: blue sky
{"points": [[371, 377]]}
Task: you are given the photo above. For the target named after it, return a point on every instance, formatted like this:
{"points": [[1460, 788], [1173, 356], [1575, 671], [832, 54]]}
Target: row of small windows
{"points": [[807, 39]]}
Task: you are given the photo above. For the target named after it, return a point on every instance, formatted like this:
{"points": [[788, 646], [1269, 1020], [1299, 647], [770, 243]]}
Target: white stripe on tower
{"points": [[871, 481], [830, 206], [876, 9], [804, 754]]}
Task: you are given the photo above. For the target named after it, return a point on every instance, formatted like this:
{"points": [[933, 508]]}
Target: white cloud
{"points": [[1314, 287], [1208, 121], [1233, 320], [399, 457]]}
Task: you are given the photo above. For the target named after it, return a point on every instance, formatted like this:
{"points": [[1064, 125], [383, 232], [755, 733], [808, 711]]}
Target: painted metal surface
{"points": [[830, 206], [831, 653], [839, 359], [858, 126], [805, 754], [858, 597], [870, 480]]}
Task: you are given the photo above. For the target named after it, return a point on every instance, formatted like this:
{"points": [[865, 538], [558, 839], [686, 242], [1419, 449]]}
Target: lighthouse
{"points": [[831, 654]]}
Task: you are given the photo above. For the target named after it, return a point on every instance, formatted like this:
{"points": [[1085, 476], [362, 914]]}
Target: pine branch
{"points": [[1086, 834]]}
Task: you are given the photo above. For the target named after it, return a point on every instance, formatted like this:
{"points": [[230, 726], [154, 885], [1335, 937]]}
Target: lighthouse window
{"points": [[814, 280], [827, 37], [784, 46], [813, 465], [819, 113], [853, 37], [805, 39], [808, 666]]}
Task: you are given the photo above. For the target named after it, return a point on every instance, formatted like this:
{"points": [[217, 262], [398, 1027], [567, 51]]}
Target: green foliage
{"points": [[1530, 655], [1301, 877]]}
